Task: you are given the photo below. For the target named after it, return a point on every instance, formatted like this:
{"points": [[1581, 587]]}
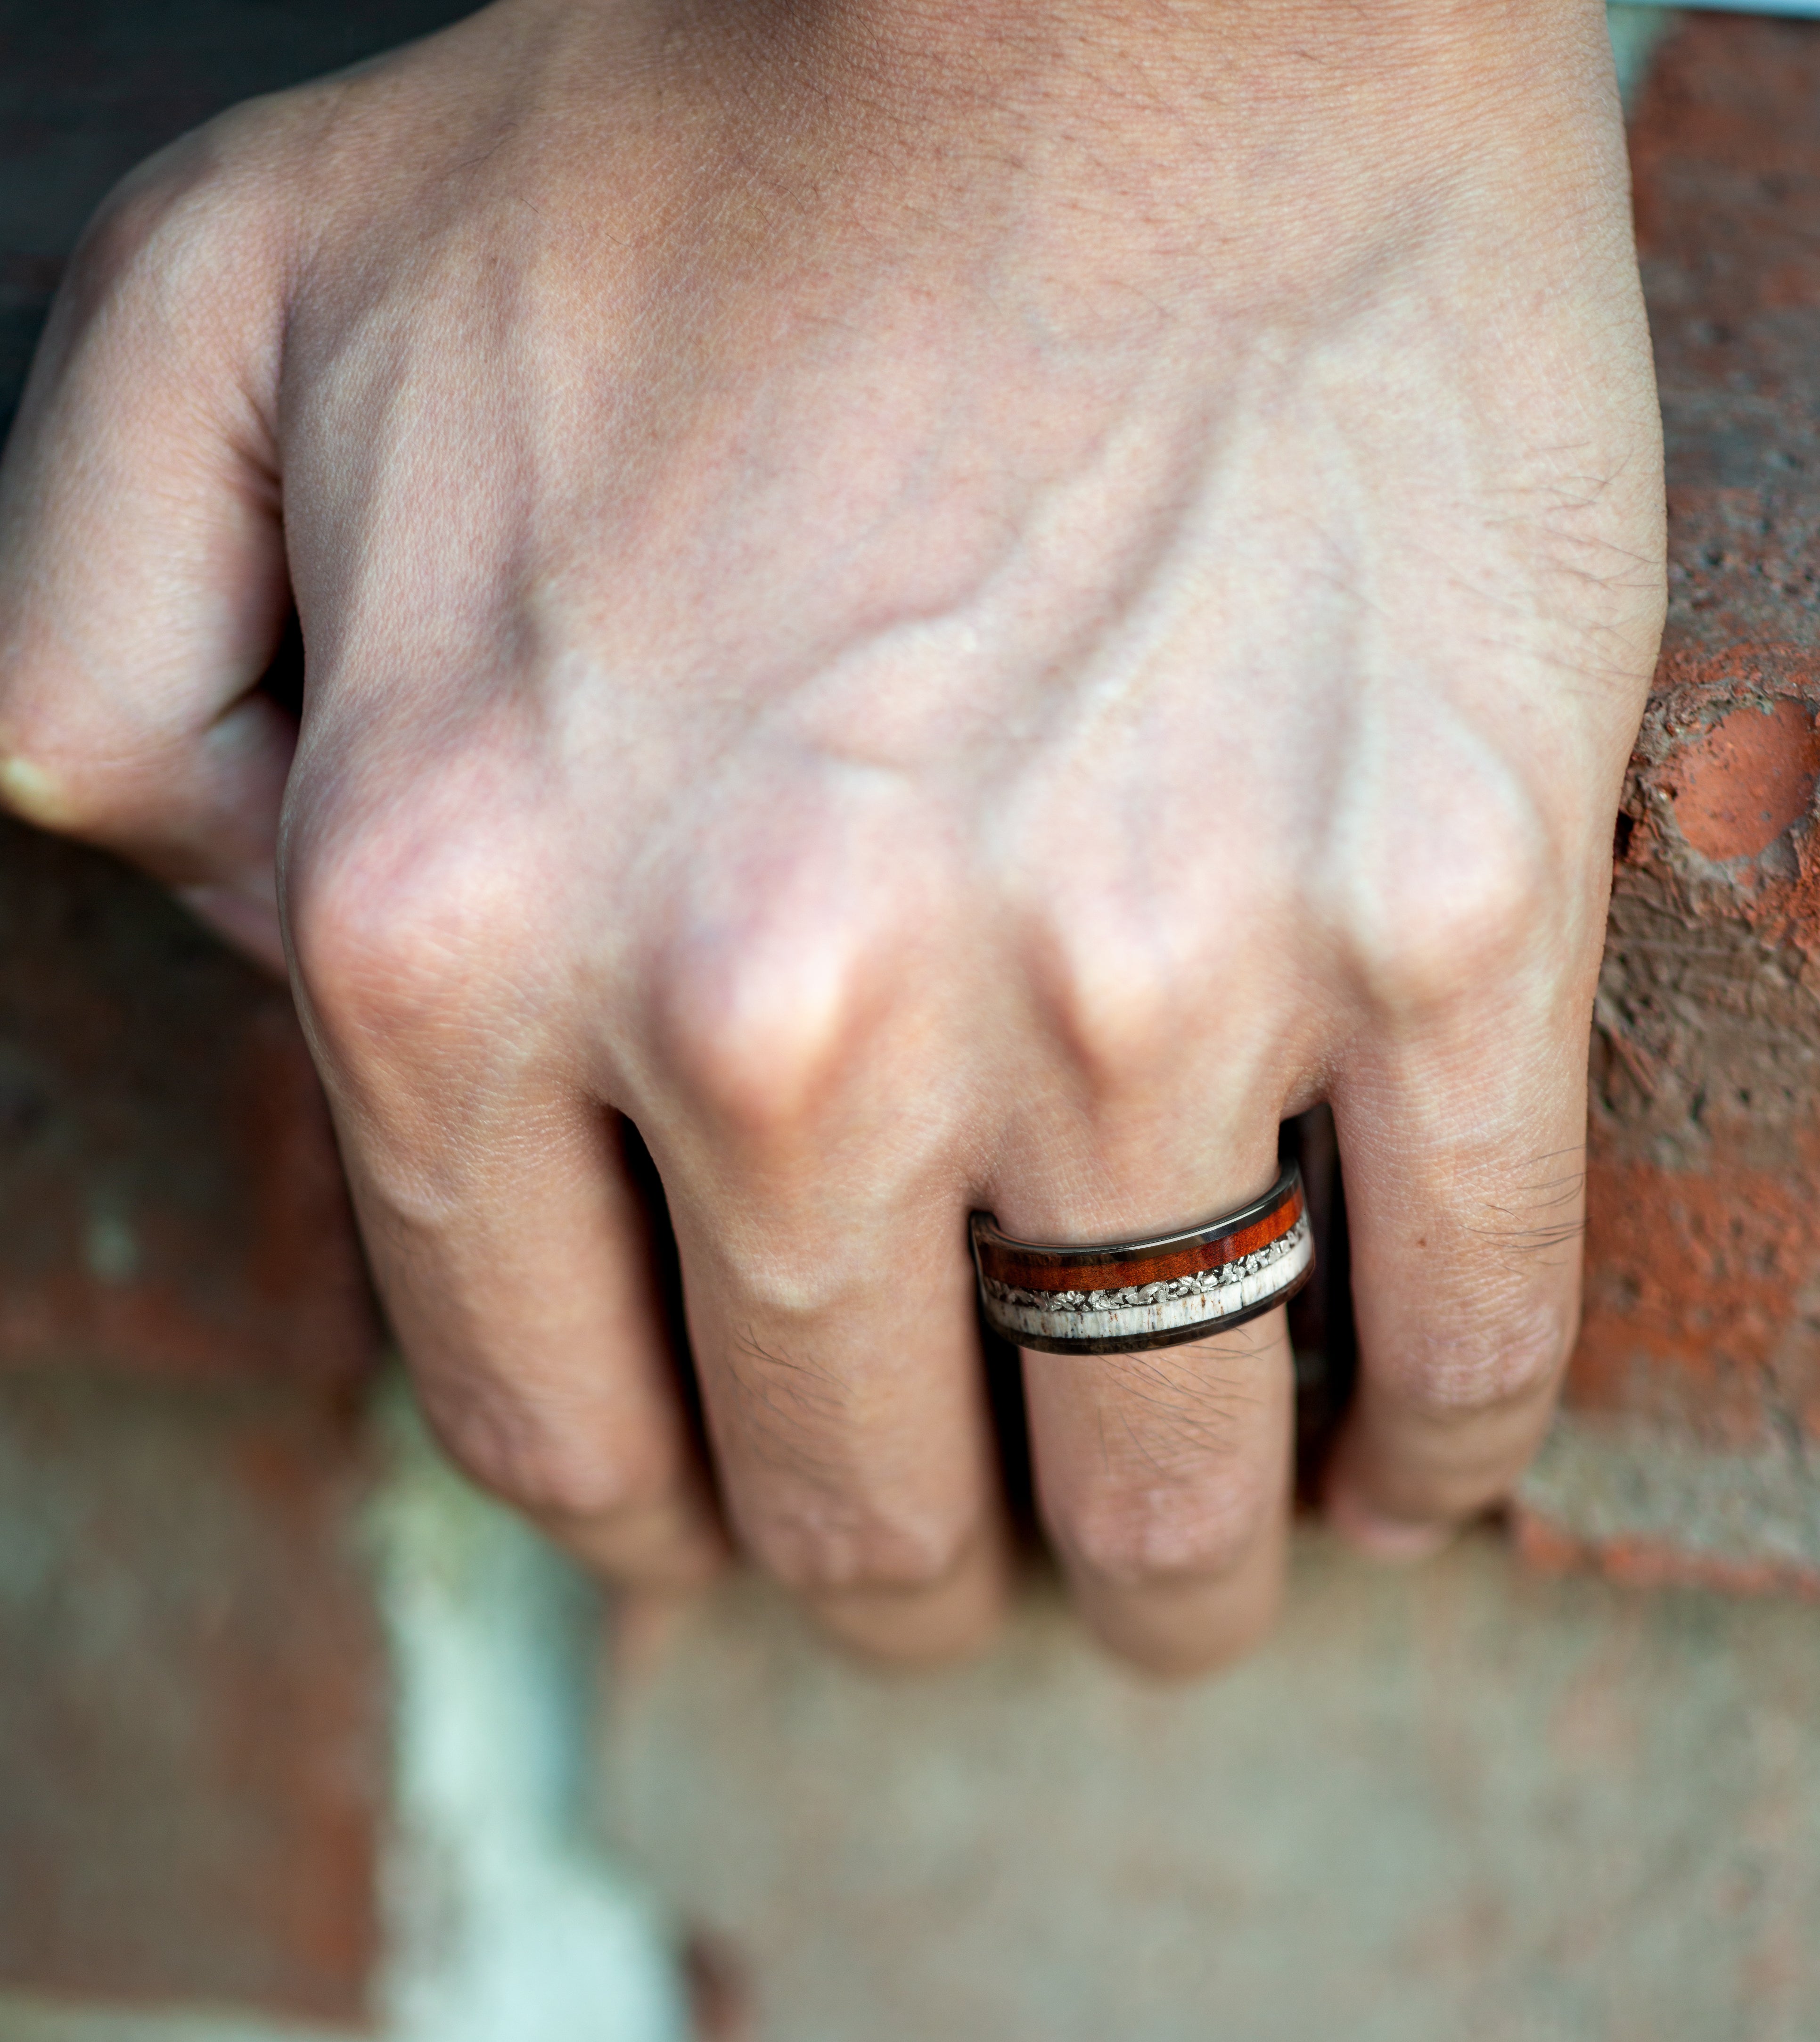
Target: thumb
{"points": [[143, 583]]}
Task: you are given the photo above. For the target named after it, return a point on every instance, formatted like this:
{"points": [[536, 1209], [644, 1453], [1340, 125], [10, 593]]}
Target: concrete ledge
{"points": [[1651, 1506], [1455, 1802]]}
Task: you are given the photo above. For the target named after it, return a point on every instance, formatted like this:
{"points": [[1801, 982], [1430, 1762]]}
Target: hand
{"points": [[942, 607]]}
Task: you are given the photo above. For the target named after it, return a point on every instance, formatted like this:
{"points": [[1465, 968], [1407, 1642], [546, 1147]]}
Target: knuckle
{"points": [[1114, 998], [1130, 944], [836, 1550], [403, 925], [1484, 1369], [536, 1462], [761, 1026], [181, 213], [786, 1268], [1133, 1537], [1437, 918], [139, 226], [802, 951]]}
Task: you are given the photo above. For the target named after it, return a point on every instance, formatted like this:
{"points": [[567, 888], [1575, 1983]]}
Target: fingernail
{"points": [[31, 793]]}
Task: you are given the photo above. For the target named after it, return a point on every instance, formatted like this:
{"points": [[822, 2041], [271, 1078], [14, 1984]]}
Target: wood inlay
{"points": [[1031, 1268]]}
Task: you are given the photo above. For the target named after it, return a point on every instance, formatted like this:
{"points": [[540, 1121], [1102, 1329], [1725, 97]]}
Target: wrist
{"points": [[1331, 60], [1278, 107]]}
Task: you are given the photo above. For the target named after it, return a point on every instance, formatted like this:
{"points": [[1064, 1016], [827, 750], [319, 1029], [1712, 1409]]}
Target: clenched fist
{"points": [[943, 607]]}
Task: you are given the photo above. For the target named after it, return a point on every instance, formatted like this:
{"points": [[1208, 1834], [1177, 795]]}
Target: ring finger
{"points": [[1163, 1475]]}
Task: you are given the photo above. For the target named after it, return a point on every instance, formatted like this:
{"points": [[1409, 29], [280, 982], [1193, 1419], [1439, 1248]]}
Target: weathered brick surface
{"points": [[170, 1199], [192, 1694], [1695, 1395], [191, 1697]]}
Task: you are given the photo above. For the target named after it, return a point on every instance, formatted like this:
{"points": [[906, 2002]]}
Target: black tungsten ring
{"points": [[1129, 1295]]}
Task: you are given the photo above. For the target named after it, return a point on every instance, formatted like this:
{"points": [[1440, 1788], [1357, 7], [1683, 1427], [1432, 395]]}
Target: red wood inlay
{"points": [[1037, 1271]]}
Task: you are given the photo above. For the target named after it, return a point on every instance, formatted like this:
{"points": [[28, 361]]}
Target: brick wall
{"points": [[1694, 1397], [192, 1763], [197, 1709], [194, 1710]]}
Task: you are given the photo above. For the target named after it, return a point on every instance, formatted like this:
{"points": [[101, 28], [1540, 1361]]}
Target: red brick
{"points": [[1698, 1302], [192, 1720], [171, 1199], [193, 1705], [1750, 779], [1703, 1307], [1548, 1548]]}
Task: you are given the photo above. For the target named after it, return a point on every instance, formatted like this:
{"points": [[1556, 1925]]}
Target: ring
{"points": [[1131, 1295]]}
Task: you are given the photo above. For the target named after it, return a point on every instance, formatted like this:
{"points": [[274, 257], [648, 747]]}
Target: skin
{"points": [[942, 607]]}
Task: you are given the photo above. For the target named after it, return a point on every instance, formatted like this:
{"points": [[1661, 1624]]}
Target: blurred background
{"points": [[301, 1737]]}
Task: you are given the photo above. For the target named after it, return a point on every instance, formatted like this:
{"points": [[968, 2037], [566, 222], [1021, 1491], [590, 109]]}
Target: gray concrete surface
{"points": [[1458, 1805]]}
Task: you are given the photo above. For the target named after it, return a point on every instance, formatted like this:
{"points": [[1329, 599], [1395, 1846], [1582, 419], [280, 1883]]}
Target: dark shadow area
{"points": [[89, 90], [666, 1265], [1321, 1315]]}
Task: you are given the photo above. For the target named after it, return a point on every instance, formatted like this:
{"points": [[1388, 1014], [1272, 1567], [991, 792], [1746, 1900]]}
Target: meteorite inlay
{"points": [[1147, 1294]]}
